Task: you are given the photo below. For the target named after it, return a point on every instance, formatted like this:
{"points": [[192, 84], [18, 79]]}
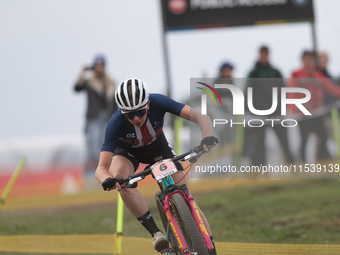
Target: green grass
{"points": [[296, 212]]}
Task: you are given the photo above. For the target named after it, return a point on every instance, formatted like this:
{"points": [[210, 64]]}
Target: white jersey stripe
{"points": [[151, 130], [139, 136]]}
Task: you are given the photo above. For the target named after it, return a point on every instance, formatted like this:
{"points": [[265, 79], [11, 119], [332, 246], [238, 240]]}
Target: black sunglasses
{"points": [[140, 113]]}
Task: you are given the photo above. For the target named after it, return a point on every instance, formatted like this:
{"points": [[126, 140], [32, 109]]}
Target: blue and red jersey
{"points": [[120, 129]]}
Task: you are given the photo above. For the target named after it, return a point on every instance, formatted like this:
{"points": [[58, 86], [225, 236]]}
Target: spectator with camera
{"points": [[100, 89]]}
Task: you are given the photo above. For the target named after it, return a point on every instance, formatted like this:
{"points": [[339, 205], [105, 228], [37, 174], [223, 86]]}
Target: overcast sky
{"points": [[44, 44]]}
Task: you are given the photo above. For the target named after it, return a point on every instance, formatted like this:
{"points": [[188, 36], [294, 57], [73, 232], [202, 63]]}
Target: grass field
{"points": [[293, 212]]}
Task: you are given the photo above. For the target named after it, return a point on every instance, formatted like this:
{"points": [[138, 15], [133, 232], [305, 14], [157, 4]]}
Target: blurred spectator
{"points": [[225, 77], [263, 78], [317, 83], [101, 105], [323, 60]]}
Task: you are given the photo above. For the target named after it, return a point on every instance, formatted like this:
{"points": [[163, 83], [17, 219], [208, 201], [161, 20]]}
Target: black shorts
{"points": [[159, 149]]}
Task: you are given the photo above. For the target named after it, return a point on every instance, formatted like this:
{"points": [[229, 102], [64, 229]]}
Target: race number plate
{"points": [[163, 169]]}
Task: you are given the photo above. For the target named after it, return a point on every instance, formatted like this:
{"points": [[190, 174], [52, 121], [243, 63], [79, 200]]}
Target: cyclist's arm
{"points": [[203, 121], [102, 171], [108, 148]]}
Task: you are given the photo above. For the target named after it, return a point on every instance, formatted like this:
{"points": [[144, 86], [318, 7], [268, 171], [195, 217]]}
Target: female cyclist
{"points": [[135, 135]]}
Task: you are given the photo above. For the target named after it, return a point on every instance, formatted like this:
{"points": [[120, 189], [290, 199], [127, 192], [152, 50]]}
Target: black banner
{"points": [[193, 14]]}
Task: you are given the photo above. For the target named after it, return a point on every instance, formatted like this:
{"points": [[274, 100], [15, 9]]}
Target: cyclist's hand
{"points": [[209, 142], [110, 184]]}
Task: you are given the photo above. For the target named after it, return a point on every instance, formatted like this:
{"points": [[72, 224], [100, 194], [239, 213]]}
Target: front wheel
{"points": [[189, 228]]}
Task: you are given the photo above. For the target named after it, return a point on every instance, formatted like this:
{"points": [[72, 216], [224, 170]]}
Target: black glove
{"points": [[209, 140], [109, 183]]}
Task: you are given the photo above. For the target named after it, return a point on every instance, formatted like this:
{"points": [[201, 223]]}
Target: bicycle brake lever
{"points": [[200, 154], [194, 158], [133, 182], [131, 186], [124, 186]]}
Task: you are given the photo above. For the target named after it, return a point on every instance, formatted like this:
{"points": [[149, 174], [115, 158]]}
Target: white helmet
{"points": [[131, 94]]}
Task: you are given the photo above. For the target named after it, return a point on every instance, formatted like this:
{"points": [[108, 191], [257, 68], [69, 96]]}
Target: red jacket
{"points": [[316, 83]]}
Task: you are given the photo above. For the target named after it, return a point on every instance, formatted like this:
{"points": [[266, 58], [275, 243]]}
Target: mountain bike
{"points": [[180, 216]]}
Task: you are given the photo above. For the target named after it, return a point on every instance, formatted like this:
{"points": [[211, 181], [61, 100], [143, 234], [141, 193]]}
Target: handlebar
{"points": [[194, 153]]}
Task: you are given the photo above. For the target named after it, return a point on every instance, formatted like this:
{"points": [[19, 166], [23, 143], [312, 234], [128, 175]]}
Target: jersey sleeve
{"points": [[112, 133], [167, 104]]}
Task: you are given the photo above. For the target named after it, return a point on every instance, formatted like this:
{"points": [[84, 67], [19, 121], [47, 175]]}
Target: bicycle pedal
{"points": [[164, 251], [168, 251]]}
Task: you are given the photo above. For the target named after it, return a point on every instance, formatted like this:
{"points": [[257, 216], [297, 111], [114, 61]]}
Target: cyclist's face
{"points": [[139, 121]]}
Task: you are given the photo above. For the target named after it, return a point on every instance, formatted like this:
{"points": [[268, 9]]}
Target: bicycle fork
{"points": [[174, 225]]}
